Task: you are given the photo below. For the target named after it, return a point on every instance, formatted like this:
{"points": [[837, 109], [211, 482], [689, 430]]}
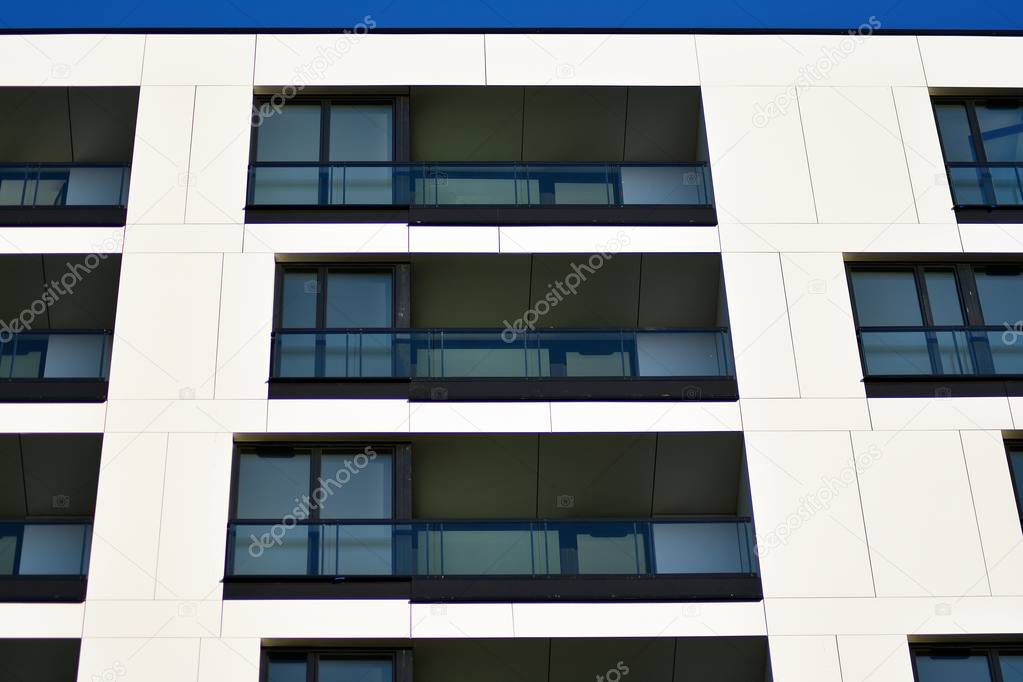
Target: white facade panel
{"points": [[462, 620], [805, 659], [167, 314], [327, 238], [793, 414], [199, 60], [159, 169], [453, 239], [972, 61], [823, 333], [923, 155], [879, 658], [352, 618], [810, 60], [320, 60], [861, 174], [129, 504], [138, 659], [591, 59], [757, 155], [246, 320], [640, 416], [337, 416], [624, 239], [143, 238], [805, 498], [834, 237], [218, 164], [160, 619], [759, 325], [920, 520], [52, 417], [44, 621], [71, 60], [61, 240], [939, 413], [698, 619]]}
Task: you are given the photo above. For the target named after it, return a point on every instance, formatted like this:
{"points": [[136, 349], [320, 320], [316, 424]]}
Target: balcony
{"points": [[560, 659], [478, 518], [920, 352], [482, 155], [47, 503], [472, 335], [495, 192], [65, 155], [56, 327], [986, 186]]}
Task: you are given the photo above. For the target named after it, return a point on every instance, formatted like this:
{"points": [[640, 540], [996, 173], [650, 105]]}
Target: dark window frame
{"points": [[973, 316], [991, 651], [323, 270], [1015, 447], [989, 211], [400, 659]]}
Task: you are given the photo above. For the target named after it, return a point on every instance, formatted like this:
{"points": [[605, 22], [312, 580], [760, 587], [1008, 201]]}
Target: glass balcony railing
{"points": [[55, 354], [493, 353], [987, 185], [80, 184], [45, 548], [942, 351], [721, 546], [479, 184]]}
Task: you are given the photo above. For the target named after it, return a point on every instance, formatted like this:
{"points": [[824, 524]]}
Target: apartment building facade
{"points": [[512, 356]]}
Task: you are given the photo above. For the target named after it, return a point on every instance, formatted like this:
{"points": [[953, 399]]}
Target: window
{"points": [[312, 511], [930, 320], [329, 667], [1016, 474], [314, 152], [322, 315], [968, 664], [983, 145]]}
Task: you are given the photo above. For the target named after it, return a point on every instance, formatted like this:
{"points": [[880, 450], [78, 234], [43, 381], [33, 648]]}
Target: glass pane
{"points": [[594, 354], [698, 548], [660, 185], [287, 186], [967, 186], [53, 549], [76, 356], [291, 134], [296, 355], [1006, 351], [471, 185], [359, 299], [298, 300], [359, 354], [568, 185], [895, 353], [1016, 462], [494, 549], [953, 353], [8, 548], [1001, 296], [363, 185], [356, 550], [954, 128], [943, 296], [689, 354], [952, 669], [360, 132], [1012, 667], [600, 549], [355, 486], [1001, 128], [1008, 185], [271, 549], [886, 298], [269, 486], [286, 671], [350, 670], [95, 187]]}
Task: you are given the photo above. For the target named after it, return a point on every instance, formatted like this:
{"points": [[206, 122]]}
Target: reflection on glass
{"points": [[1012, 667], [356, 486], [354, 670], [954, 128], [270, 549], [361, 132], [943, 297], [952, 669], [967, 186], [895, 353], [283, 670], [1001, 129], [291, 134], [1001, 295], [359, 299], [269, 484], [886, 298]]}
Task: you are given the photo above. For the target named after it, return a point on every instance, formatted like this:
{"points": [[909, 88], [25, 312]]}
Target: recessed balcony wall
{"points": [[47, 503], [496, 517], [56, 326], [65, 155], [482, 155], [506, 327]]}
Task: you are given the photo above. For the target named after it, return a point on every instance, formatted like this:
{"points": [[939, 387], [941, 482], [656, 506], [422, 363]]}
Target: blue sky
{"points": [[611, 14]]}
